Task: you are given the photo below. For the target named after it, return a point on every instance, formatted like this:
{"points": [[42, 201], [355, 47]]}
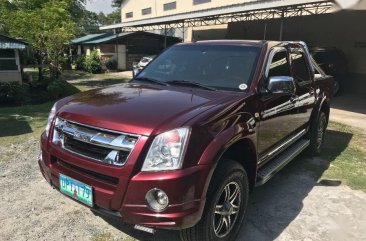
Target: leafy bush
{"points": [[59, 88], [93, 64], [11, 93], [79, 62], [111, 64]]}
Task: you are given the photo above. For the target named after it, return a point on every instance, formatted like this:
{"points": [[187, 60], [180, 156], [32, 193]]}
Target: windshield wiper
{"points": [[190, 83], [151, 80]]}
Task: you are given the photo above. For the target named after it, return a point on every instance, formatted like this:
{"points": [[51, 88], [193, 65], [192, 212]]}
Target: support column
{"points": [[281, 26], [265, 31], [165, 39]]}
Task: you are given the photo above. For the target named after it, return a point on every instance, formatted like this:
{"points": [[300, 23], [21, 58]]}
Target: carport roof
{"points": [[11, 43], [104, 38], [253, 10], [90, 37]]}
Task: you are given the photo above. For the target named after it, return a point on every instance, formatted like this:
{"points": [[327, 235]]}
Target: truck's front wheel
{"points": [[226, 203]]}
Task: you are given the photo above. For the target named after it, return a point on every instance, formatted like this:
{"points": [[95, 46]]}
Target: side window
{"points": [[279, 65], [299, 67]]}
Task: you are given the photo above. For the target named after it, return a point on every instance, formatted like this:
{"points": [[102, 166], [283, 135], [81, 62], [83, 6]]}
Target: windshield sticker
{"points": [[243, 87]]}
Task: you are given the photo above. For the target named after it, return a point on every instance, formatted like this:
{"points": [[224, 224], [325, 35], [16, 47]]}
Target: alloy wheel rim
{"points": [[227, 209]]}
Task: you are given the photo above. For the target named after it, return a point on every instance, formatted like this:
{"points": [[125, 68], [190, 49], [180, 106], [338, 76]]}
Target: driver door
{"points": [[277, 111]]}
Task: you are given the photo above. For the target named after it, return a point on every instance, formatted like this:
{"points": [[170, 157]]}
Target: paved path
{"points": [[350, 110]]}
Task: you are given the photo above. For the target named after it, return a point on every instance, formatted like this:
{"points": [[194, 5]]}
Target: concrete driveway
{"points": [[349, 109]]}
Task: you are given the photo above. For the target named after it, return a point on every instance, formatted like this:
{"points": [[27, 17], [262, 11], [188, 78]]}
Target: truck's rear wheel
{"points": [[317, 134], [226, 203]]}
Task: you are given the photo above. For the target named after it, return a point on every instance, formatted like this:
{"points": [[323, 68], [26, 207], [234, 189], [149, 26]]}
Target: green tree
{"points": [[46, 25], [117, 3], [112, 18]]}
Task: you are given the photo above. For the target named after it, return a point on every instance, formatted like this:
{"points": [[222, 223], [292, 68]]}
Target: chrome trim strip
{"points": [[96, 138], [101, 129]]}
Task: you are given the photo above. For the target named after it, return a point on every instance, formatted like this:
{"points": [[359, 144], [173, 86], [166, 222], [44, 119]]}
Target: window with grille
{"points": [[8, 61]]}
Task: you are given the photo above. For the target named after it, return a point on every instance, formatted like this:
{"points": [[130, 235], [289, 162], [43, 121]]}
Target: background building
{"points": [[123, 48], [320, 23], [10, 69]]}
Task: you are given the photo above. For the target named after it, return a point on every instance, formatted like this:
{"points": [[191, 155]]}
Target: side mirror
{"points": [[281, 85]]}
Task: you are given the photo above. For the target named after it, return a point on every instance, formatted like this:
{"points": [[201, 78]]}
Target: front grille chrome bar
{"points": [[114, 146]]}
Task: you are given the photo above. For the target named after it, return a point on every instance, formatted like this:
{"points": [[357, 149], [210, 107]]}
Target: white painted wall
{"points": [[157, 7], [122, 57]]}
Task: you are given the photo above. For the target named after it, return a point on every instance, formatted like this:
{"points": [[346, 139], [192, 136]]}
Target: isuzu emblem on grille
{"points": [[82, 137]]}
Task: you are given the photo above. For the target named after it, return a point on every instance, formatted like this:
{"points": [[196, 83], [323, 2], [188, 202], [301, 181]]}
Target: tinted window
{"points": [[279, 65], [221, 67], [170, 6], [299, 67]]}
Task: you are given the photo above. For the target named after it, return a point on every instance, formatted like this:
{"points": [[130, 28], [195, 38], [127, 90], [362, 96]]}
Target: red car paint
{"points": [[217, 119]]}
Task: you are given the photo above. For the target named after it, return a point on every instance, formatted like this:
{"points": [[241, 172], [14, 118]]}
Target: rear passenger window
{"points": [[299, 67], [279, 65]]}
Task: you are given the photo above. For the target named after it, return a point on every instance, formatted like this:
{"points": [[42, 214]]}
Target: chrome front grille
{"points": [[106, 146]]}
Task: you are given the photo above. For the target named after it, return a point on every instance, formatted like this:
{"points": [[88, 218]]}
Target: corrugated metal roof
{"points": [[105, 39], [230, 9], [90, 37], [11, 43], [110, 37]]}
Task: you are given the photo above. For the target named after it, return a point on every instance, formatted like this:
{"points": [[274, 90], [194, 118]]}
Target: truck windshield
{"points": [[223, 67]]}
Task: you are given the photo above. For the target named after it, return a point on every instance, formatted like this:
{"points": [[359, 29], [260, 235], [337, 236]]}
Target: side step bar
{"points": [[266, 172]]}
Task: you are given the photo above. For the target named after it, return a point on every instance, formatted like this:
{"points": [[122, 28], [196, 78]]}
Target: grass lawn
{"points": [[18, 124], [346, 146]]}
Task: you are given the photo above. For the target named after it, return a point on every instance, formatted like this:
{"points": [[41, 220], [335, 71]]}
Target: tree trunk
{"points": [[40, 67]]}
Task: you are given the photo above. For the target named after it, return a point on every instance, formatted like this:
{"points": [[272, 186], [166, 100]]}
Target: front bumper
{"points": [[127, 197]]}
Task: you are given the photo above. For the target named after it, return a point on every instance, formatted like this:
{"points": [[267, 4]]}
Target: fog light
{"points": [[157, 200]]}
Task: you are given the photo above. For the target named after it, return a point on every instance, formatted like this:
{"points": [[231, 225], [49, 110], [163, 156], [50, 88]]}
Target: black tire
{"points": [[228, 177], [337, 87], [317, 133]]}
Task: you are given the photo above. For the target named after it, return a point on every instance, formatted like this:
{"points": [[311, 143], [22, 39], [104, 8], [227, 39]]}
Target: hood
{"points": [[141, 108]]}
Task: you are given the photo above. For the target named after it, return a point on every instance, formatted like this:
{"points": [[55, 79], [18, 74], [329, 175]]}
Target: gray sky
{"points": [[99, 6]]}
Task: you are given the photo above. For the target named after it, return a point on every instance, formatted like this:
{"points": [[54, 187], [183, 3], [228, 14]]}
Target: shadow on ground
{"points": [[14, 126], [275, 205]]}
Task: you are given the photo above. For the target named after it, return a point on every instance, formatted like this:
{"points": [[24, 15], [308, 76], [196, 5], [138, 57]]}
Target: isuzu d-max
{"points": [[183, 144]]}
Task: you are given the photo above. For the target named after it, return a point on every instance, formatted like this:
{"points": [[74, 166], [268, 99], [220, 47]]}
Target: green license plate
{"points": [[76, 190]]}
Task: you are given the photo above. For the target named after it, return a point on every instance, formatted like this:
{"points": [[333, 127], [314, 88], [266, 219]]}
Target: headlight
{"points": [[50, 119], [167, 151]]}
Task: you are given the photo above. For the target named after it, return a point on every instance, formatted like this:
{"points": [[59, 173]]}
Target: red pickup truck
{"points": [[184, 143]]}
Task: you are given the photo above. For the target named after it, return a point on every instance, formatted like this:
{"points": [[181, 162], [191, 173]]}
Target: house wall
{"points": [[157, 7], [206, 33], [10, 76], [122, 57]]}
